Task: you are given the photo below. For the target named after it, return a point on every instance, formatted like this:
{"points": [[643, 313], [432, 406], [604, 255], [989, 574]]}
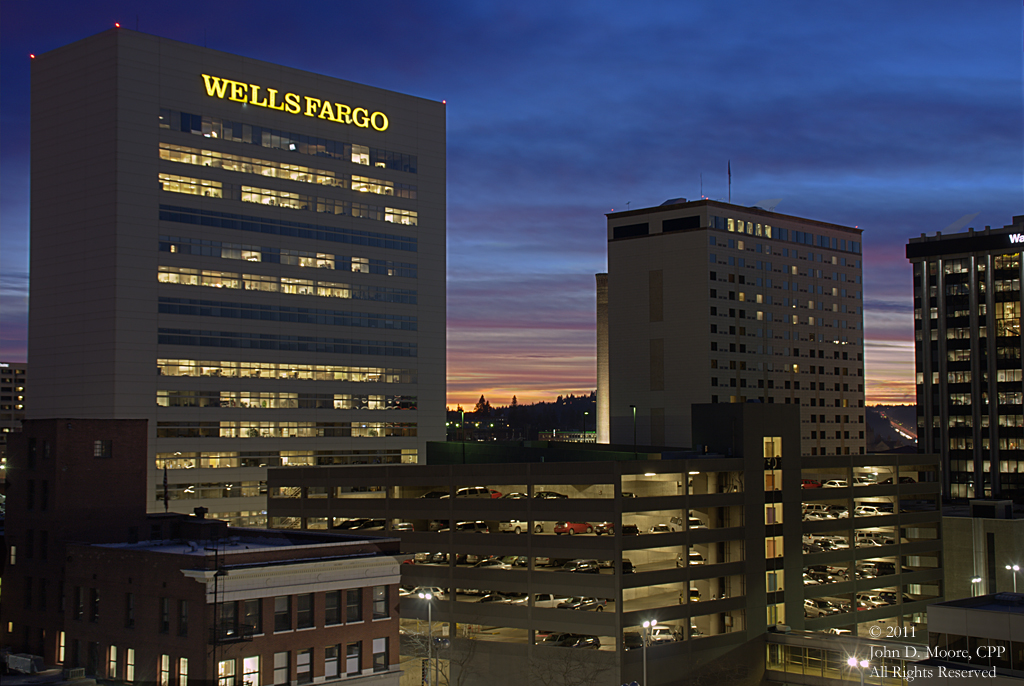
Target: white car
{"points": [[835, 483], [436, 592], [549, 599], [518, 526], [664, 633]]}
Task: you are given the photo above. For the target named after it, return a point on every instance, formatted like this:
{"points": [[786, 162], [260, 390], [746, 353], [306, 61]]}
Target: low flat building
{"points": [[984, 539], [234, 608], [980, 637]]}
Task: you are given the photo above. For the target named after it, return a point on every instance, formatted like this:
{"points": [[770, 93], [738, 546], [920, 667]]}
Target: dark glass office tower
{"points": [[967, 307]]}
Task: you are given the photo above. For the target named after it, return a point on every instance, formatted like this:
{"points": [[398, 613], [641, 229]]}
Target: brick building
{"points": [[94, 582]]}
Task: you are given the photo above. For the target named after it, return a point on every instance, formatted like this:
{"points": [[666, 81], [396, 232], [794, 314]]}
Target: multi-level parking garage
{"points": [[679, 524], [871, 540], [708, 543]]}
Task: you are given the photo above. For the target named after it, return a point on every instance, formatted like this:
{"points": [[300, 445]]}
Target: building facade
{"points": [[967, 309], [250, 256], [715, 303], [13, 377]]}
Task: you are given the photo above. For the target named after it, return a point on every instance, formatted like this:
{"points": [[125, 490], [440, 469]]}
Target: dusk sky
{"points": [[896, 117]]}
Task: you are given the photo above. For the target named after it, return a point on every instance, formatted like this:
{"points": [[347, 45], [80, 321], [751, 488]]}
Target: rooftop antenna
{"points": [[729, 167], [627, 207], [960, 223], [702, 185]]}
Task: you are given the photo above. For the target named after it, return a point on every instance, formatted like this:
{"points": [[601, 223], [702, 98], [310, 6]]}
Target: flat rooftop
{"points": [[241, 540], [995, 602]]}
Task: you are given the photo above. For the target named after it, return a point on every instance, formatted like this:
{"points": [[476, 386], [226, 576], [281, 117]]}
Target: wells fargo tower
{"points": [[250, 256]]}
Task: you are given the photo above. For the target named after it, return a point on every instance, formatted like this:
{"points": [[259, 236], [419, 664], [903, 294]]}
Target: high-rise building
{"points": [[967, 308], [709, 302], [12, 400], [250, 256]]}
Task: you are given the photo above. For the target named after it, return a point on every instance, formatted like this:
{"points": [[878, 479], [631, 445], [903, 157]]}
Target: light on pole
{"points": [[863, 664], [975, 585], [1013, 569], [648, 626], [431, 681]]}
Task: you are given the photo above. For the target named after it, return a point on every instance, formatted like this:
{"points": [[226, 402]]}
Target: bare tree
{"points": [[453, 658], [568, 667]]}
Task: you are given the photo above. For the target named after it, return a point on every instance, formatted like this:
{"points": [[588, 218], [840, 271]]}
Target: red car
{"points": [[604, 528], [809, 483], [573, 528]]}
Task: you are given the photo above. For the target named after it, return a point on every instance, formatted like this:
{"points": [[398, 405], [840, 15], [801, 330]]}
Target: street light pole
{"points": [[633, 407], [646, 636], [1013, 569], [430, 638], [863, 664]]}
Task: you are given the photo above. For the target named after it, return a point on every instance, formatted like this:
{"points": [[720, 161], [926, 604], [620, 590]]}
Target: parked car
{"points": [[809, 483], [549, 599], [583, 603], [403, 526], [891, 598], [694, 558], [872, 599], [478, 492], [661, 529], [492, 563], [632, 640], [902, 480], [468, 527], [664, 633], [549, 495], [835, 483], [812, 610], [604, 528], [517, 526], [434, 494], [814, 511], [572, 641], [630, 530], [435, 591], [628, 494], [584, 566], [572, 528], [515, 495], [693, 595], [627, 566], [871, 510], [494, 598]]}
